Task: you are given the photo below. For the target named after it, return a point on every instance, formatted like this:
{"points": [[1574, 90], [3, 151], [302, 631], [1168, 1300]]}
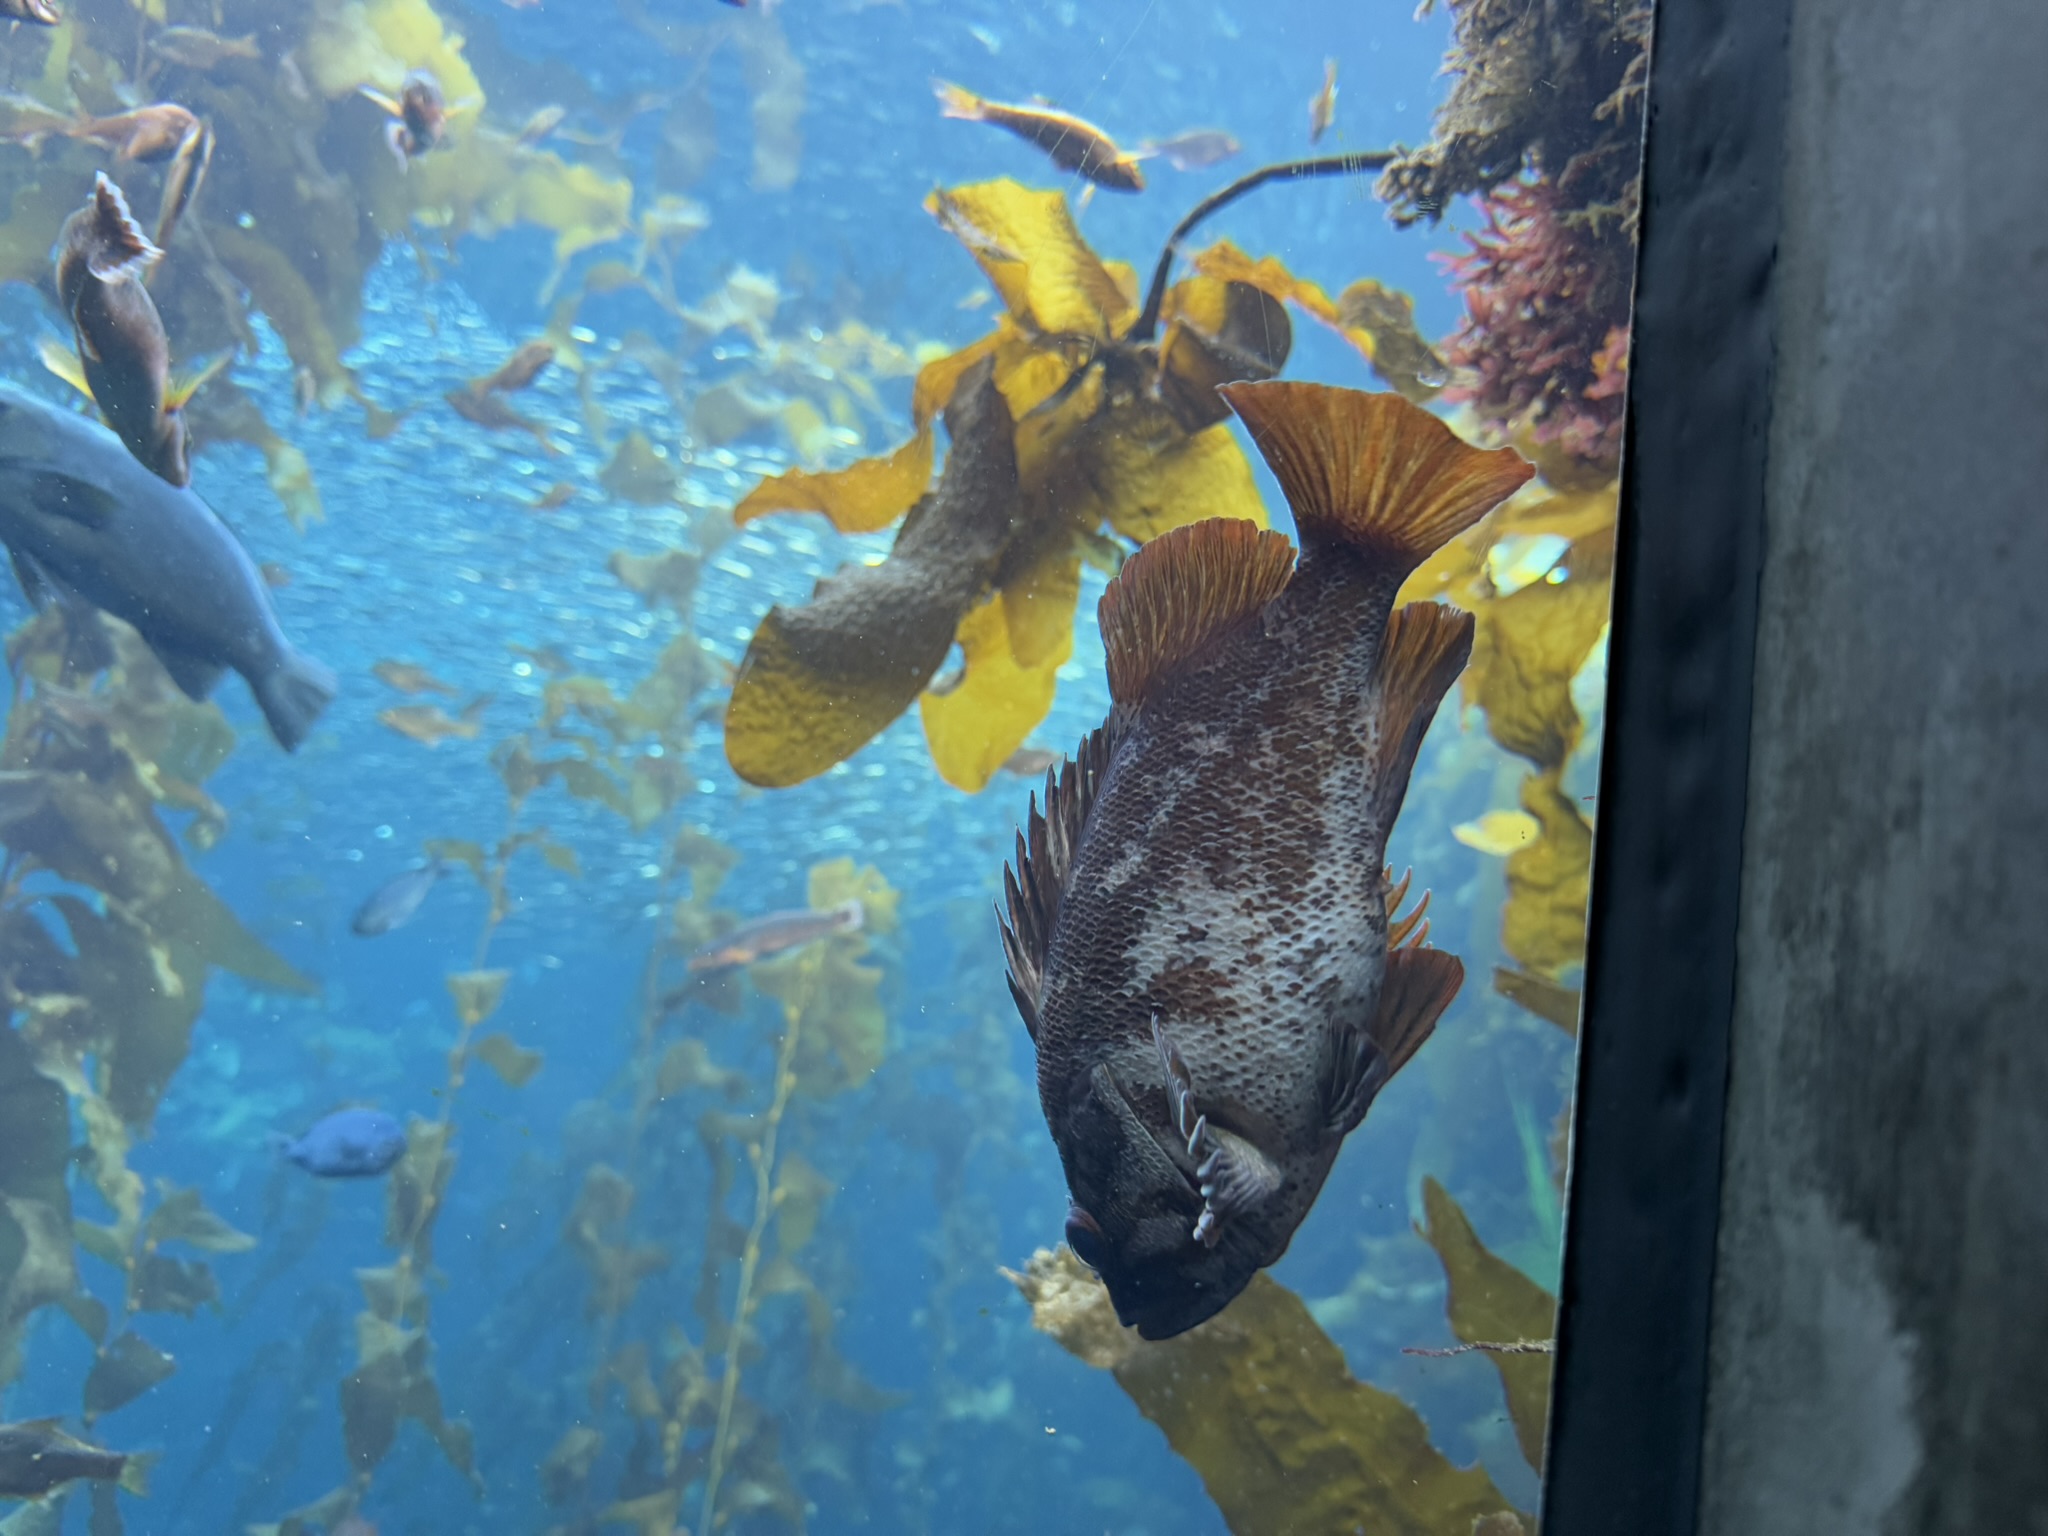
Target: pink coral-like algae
{"points": [[1543, 346]]}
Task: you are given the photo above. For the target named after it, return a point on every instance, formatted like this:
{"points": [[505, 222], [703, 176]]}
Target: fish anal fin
{"points": [[1425, 648], [1418, 986], [1046, 846], [1373, 471], [55, 494], [1183, 590], [196, 678]]}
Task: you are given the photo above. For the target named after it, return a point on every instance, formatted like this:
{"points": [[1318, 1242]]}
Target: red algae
{"points": [[1543, 347]]}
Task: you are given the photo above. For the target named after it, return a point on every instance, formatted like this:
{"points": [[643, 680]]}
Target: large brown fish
{"points": [[1073, 144], [101, 256], [1197, 929], [148, 133]]}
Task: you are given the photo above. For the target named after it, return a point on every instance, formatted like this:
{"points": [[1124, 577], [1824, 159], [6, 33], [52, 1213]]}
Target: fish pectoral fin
{"points": [[196, 677], [1183, 590], [59, 495], [1425, 648], [35, 586], [1418, 986], [1237, 1178]]}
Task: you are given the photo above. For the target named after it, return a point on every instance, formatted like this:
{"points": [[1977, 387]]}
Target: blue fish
{"points": [[348, 1144], [393, 904], [81, 517]]}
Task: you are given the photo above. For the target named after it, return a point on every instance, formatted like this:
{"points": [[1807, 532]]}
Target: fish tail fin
{"points": [[120, 249], [135, 1472], [958, 101], [1181, 591], [291, 696], [1373, 470], [1425, 648], [187, 382]]}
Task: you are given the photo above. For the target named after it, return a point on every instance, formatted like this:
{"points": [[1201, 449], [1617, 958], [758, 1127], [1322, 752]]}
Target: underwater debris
{"points": [[1132, 1059], [1070, 143], [1322, 107], [1262, 1405]]}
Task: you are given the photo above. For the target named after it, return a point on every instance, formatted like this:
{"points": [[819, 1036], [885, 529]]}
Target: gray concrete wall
{"points": [[1880, 1338]]}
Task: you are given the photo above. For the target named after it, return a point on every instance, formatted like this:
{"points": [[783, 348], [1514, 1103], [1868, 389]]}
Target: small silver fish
{"points": [[394, 904], [775, 934], [1195, 150]]}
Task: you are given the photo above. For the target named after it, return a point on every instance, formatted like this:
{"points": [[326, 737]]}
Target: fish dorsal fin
{"points": [[55, 494], [1418, 986], [120, 249], [1183, 590], [1045, 859], [1373, 471], [1426, 647]]}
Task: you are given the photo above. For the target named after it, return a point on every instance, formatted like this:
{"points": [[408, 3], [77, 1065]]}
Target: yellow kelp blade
{"points": [[1543, 924], [972, 730], [864, 497], [1026, 242], [1136, 471], [1217, 332], [1529, 646]]}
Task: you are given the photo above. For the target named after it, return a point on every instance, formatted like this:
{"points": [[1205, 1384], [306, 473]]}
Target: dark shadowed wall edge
{"points": [[1624, 1453]]}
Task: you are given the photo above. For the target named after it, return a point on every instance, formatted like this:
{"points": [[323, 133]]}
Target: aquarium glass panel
{"points": [[798, 765]]}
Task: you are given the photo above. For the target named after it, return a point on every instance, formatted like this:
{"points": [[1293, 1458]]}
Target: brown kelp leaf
{"points": [[477, 994], [800, 1195], [37, 1268], [687, 1064], [566, 1468], [181, 1217], [1375, 313], [131, 983], [1541, 996], [1543, 924], [1025, 240], [640, 472], [513, 1062], [371, 1395], [122, 1372], [1217, 332], [561, 858], [972, 730], [818, 682], [1493, 1302], [865, 497], [1262, 1405], [652, 1514], [416, 1184], [668, 579], [456, 850], [160, 1283], [844, 1028], [1400, 356], [833, 882]]}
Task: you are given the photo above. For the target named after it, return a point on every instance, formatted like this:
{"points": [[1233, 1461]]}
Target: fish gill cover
{"points": [[575, 346]]}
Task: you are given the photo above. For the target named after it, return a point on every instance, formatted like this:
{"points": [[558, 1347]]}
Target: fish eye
{"points": [[1084, 1236]]}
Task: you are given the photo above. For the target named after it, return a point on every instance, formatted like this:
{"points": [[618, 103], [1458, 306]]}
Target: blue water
{"points": [[943, 1167]]}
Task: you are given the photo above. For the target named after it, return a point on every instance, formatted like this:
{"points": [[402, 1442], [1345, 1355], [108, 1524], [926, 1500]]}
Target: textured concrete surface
{"points": [[1880, 1337]]}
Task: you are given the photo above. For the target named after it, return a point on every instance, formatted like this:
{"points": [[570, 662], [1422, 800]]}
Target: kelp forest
{"points": [[560, 1069]]}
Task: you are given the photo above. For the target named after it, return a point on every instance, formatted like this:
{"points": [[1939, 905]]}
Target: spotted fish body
{"points": [[1197, 928]]}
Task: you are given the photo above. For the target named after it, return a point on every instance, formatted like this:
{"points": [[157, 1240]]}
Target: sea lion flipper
{"points": [[1418, 987]]}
